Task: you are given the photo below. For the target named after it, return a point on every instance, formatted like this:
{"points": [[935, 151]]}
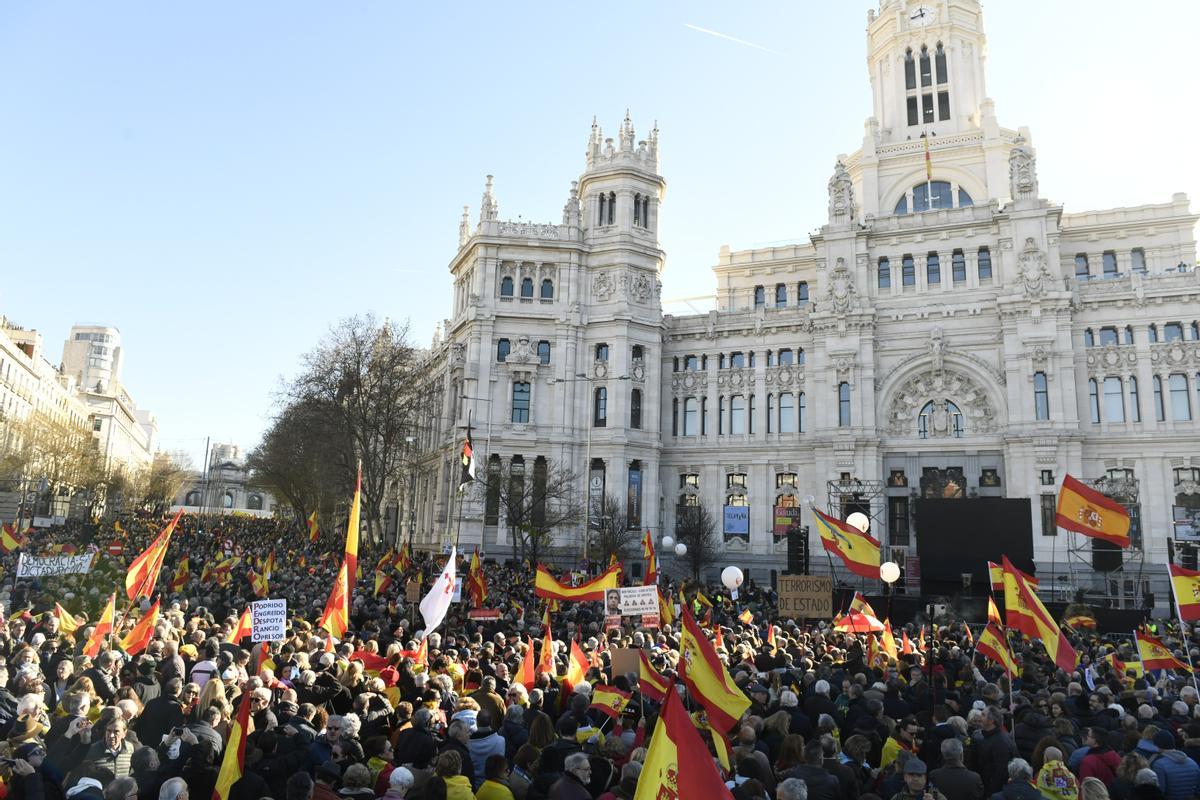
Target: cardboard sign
{"points": [[651, 621], [412, 591], [625, 659], [484, 613], [805, 597], [268, 620], [457, 598]]}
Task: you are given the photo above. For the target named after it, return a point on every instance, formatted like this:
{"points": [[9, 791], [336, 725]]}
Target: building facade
{"points": [[948, 332], [226, 487]]}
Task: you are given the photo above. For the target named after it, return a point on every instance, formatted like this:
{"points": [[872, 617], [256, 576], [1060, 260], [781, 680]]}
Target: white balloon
{"points": [[889, 571], [808, 500], [681, 549], [731, 577], [667, 542], [859, 520]]}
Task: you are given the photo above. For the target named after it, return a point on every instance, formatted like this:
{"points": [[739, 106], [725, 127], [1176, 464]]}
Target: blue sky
{"points": [[222, 181]]}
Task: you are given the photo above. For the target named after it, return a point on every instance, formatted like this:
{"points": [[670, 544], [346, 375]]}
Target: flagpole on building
{"points": [[1182, 631]]}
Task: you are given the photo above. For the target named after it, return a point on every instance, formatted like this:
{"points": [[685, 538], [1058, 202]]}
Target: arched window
{"points": [[601, 204], [547, 289], [800, 356], [503, 348], [254, 502], [506, 286], [984, 264], [1082, 272], [939, 418], [760, 297], [228, 500], [781, 295], [932, 195], [612, 207], [843, 391], [933, 269], [520, 402], [600, 408], [527, 287], [926, 72], [940, 63], [192, 499], [645, 211], [885, 273], [635, 409], [908, 271], [958, 267], [964, 198], [544, 351], [785, 358], [802, 293], [910, 73]]}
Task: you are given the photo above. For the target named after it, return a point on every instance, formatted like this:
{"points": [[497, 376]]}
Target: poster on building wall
{"points": [[595, 495], [783, 520], [633, 509], [737, 522]]}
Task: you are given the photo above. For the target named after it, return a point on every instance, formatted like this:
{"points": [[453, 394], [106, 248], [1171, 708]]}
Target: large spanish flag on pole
{"points": [[650, 681], [143, 572], [1155, 654], [1084, 510], [336, 616], [677, 762], [1018, 613], [706, 678], [136, 640], [234, 762], [648, 553], [1185, 583], [1056, 644], [996, 573], [351, 553], [992, 644], [546, 586], [859, 551]]}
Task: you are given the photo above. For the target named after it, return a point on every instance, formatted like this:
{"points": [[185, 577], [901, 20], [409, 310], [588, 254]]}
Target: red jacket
{"points": [[1100, 764]]}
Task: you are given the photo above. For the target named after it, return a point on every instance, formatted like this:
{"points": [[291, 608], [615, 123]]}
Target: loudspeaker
{"points": [[1106, 556], [797, 550]]}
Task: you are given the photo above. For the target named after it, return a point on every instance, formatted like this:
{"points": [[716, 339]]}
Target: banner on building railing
{"points": [[63, 564]]}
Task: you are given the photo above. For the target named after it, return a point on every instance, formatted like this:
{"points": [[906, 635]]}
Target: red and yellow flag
{"points": [[1185, 583], [526, 675], [889, 641], [609, 700], [314, 531], [350, 555], [336, 616], [994, 613], [859, 551], [383, 582], [860, 604], [234, 761], [1046, 629], [906, 646], [242, 629], [67, 624], [1084, 510], [258, 583], [993, 645], [140, 635], [476, 582], [181, 576], [404, 560], [996, 573], [928, 160], [577, 665], [1155, 654], [706, 678], [9, 538], [666, 609], [677, 762], [143, 572], [650, 682], [651, 557], [546, 586], [546, 657], [103, 627], [1081, 622], [1019, 614], [746, 617]]}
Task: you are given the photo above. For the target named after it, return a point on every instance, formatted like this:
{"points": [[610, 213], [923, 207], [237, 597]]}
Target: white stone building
{"points": [[227, 488], [948, 331]]}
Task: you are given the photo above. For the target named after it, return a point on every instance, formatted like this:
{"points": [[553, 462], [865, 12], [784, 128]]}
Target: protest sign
{"points": [[805, 597], [631, 601], [412, 591], [62, 564], [268, 620], [625, 660]]}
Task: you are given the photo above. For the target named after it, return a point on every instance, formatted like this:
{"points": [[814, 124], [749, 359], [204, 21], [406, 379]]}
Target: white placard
{"points": [[268, 620], [457, 598], [631, 601], [62, 564]]}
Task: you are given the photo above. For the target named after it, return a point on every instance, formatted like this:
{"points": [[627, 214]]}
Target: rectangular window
{"points": [[737, 360], [785, 358], [1172, 332], [1049, 511], [544, 352], [721, 415], [675, 417], [926, 72], [958, 267], [635, 409], [703, 416], [908, 271], [910, 73], [913, 115], [691, 363], [898, 521], [737, 414], [1081, 267], [943, 106], [985, 264], [1094, 400], [843, 405], [602, 352], [802, 293], [520, 402], [691, 414], [933, 269], [600, 408], [1041, 396], [97, 424], [1109, 336], [771, 425], [803, 414], [1181, 398], [787, 413], [750, 417], [927, 108], [1137, 260], [1159, 409], [1110, 264], [885, 274], [781, 295], [760, 297], [1128, 334], [1135, 404], [1114, 400]]}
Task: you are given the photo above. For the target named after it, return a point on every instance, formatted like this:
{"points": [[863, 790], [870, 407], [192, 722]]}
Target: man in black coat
{"points": [[416, 745], [162, 714], [103, 675], [847, 778], [993, 749], [953, 779], [821, 784]]}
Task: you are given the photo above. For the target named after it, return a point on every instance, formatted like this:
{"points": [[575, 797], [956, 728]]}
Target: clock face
{"points": [[921, 16]]}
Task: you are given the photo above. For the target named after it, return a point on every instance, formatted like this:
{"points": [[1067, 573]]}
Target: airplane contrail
{"points": [[733, 39]]}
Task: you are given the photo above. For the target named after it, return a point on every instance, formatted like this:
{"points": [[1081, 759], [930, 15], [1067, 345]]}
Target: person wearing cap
{"points": [[1178, 775], [915, 783]]}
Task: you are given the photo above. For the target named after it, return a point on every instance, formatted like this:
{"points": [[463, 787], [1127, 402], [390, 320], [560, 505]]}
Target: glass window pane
{"points": [[1094, 400], [1110, 264], [1172, 332], [802, 292], [933, 268], [910, 71], [964, 198], [914, 116], [1081, 267], [958, 265], [985, 263], [1138, 259], [787, 413], [908, 272], [926, 71], [803, 414], [780, 295], [927, 108], [940, 63], [843, 404], [943, 106], [901, 206], [1108, 336], [1041, 396], [885, 274], [1114, 400], [690, 417], [737, 414], [785, 358], [1135, 410], [1181, 400]]}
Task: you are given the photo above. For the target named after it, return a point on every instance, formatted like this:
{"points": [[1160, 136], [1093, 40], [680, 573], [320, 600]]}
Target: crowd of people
{"points": [[389, 712]]}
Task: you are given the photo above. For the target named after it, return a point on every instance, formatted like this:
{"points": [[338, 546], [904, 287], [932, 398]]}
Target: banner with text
{"points": [[268, 620], [785, 517], [63, 564], [805, 597], [737, 522]]}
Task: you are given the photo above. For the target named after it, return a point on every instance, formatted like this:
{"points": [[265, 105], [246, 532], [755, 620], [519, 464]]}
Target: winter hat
{"points": [[1165, 740]]}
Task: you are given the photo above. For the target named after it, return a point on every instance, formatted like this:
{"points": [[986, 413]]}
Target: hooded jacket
{"points": [[1178, 775]]}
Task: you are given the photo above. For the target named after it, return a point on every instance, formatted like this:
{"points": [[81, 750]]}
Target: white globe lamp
{"points": [[808, 500], [859, 520], [681, 549], [731, 577], [889, 572], [667, 542]]}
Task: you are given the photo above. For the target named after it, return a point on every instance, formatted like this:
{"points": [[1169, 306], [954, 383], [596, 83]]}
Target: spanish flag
{"points": [[314, 531], [994, 613], [103, 627], [609, 700], [858, 550], [1155, 654], [650, 681], [1056, 644], [677, 762], [993, 645], [9, 540], [906, 646], [889, 641], [860, 604], [67, 624], [143, 572], [746, 617], [651, 560], [1185, 583], [720, 741], [1019, 614], [546, 657], [1084, 510], [383, 582], [234, 761], [996, 573], [181, 576], [350, 555], [476, 582], [526, 676], [545, 586], [336, 616], [666, 609], [1081, 621], [404, 560], [706, 678], [136, 640], [1122, 668], [242, 629], [577, 665], [258, 583]]}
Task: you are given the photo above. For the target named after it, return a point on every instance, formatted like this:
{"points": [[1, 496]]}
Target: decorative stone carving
{"points": [[638, 373], [458, 354], [937, 349], [1187, 487], [1040, 354], [1022, 171], [841, 195], [972, 400], [735, 379], [464, 227], [640, 288], [710, 327], [939, 419], [1174, 354], [1031, 267], [572, 213], [843, 365], [600, 370], [1111, 357], [603, 287], [689, 383], [841, 293], [488, 207], [529, 230]]}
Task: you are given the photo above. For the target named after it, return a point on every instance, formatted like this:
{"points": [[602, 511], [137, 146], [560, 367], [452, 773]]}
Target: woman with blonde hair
{"points": [[213, 690], [84, 684], [1093, 789]]}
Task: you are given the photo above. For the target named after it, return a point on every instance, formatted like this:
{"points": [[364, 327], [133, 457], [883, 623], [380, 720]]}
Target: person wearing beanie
{"points": [[1178, 775]]}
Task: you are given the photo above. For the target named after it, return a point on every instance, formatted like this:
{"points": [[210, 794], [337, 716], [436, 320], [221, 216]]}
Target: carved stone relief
{"points": [[938, 385], [841, 293]]}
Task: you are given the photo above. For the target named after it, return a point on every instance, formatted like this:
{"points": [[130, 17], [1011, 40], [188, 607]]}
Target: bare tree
{"points": [[161, 481], [696, 528], [47, 448], [611, 534], [534, 500]]}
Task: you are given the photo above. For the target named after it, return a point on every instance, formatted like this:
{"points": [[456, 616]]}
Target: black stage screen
{"points": [[962, 535]]}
